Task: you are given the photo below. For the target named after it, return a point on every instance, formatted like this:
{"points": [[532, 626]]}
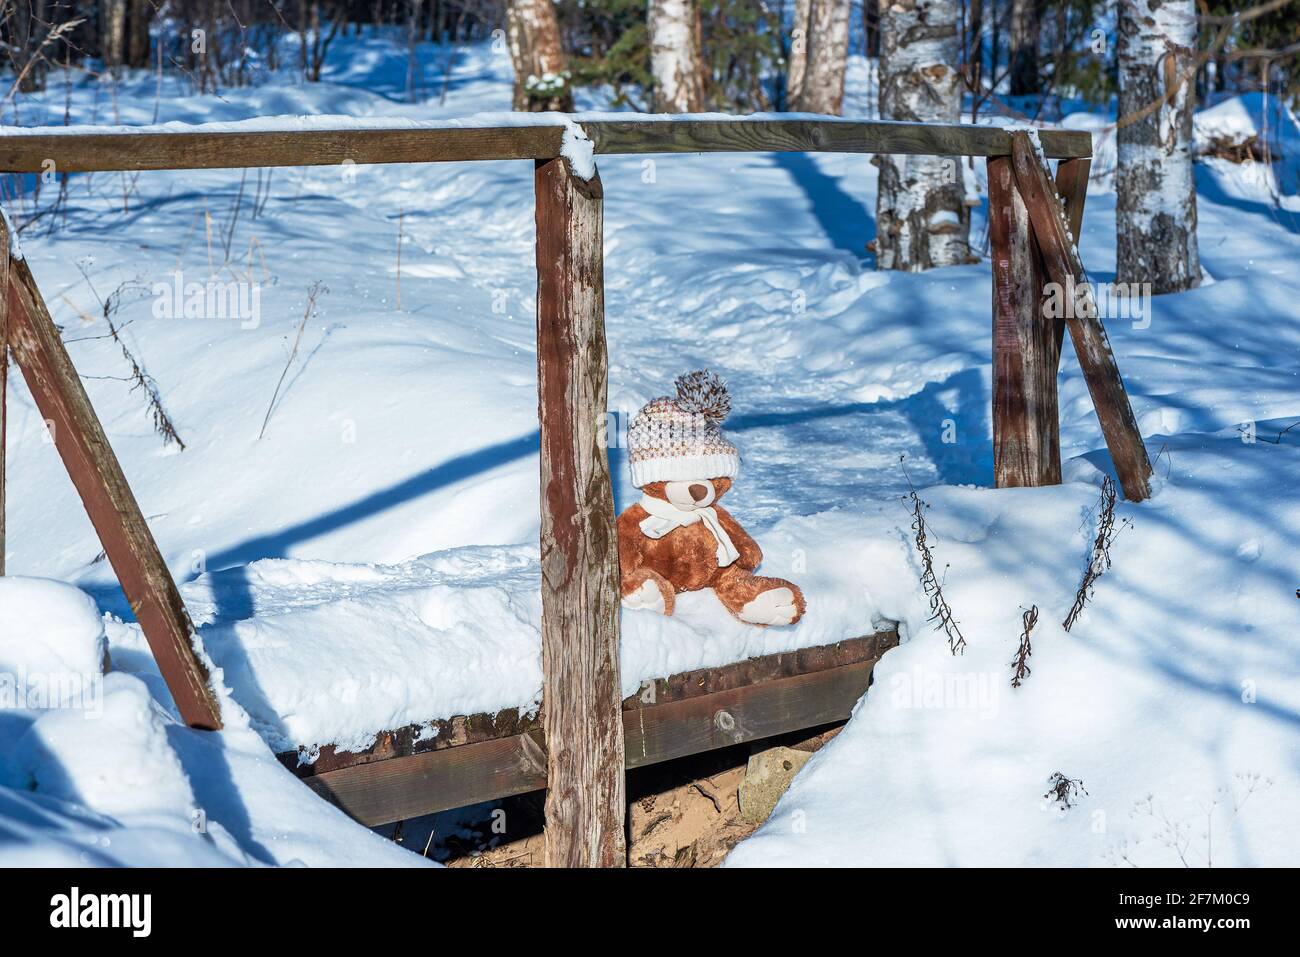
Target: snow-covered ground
{"points": [[370, 561]]}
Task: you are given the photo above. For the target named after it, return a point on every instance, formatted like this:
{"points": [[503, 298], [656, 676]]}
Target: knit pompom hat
{"points": [[673, 440]]}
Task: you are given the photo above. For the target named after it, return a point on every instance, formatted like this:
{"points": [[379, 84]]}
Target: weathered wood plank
{"points": [[830, 136], [472, 729], [1026, 349], [676, 729], [437, 735], [585, 805], [742, 674], [1072, 187], [97, 475], [385, 791], [1087, 333], [380, 792], [4, 374], [133, 150]]}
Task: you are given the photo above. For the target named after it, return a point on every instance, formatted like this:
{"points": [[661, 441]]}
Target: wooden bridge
{"points": [[586, 735]]}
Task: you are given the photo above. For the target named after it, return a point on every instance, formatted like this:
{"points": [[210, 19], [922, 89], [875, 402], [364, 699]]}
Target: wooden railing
{"points": [[1031, 230], [325, 141]]}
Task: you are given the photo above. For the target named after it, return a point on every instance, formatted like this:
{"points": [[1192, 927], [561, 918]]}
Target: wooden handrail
{"points": [[319, 142]]}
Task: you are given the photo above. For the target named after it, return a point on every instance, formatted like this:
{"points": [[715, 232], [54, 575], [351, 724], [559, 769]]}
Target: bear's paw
{"points": [[649, 596], [773, 607]]}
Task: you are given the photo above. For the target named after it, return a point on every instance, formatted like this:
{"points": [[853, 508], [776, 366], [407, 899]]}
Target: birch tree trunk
{"points": [[1155, 219], [541, 76], [921, 216], [113, 32], [675, 56], [819, 52]]}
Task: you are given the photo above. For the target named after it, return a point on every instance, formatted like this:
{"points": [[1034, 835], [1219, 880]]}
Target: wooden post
{"points": [[581, 696], [1026, 347], [4, 374], [112, 508], [1072, 187], [1100, 371]]}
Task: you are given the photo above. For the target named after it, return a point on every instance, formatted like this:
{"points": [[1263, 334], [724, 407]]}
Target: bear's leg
{"points": [[758, 600], [646, 588]]}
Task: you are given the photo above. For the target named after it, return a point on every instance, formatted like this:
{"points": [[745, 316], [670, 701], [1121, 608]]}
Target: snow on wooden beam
{"points": [[300, 142], [465, 760]]}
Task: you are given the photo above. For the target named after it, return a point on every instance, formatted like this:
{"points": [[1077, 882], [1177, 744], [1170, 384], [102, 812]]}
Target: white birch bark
{"points": [[541, 75], [1155, 219], [675, 56], [816, 73], [921, 217], [796, 71], [827, 53]]}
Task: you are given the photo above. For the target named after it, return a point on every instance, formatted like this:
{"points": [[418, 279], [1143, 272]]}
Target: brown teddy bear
{"points": [[677, 538]]}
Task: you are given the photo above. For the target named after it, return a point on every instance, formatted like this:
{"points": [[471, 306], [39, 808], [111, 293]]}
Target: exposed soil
{"points": [[683, 813]]}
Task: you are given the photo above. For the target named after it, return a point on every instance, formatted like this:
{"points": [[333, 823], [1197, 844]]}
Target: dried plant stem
{"points": [[1020, 664], [229, 238], [1099, 561], [1064, 790], [939, 608], [56, 33], [207, 226], [313, 291], [401, 214], [138, 378]]}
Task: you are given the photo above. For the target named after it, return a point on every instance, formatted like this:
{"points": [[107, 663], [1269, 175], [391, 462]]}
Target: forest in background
{"points": [[748, 50], [1151, 61]]}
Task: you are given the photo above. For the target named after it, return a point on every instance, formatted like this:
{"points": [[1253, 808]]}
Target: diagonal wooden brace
{"points": [[97, 475], [1100, 371]]}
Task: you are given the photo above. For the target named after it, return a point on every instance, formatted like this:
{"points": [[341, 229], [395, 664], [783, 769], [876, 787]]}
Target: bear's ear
{"points": [[657, 490], [721, 486]]}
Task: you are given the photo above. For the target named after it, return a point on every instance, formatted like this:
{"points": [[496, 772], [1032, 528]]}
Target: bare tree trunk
{"points": [[413, 33], [113, 32], [675, 56], [541, 79], [817, 64], [871, 27], [921, 217], [1156, 190], [137, 52], [25, 33], [1023, 40]]}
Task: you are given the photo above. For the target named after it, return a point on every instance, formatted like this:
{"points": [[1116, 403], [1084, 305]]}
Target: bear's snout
{"points": [[691, 494]]}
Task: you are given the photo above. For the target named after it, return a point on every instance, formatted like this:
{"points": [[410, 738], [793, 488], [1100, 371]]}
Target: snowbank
{"points": [[1174, 700], [101, 773], [48, 628]]}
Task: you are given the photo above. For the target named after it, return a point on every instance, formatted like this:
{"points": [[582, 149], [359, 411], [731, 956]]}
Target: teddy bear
{"points": [[678, 538]]}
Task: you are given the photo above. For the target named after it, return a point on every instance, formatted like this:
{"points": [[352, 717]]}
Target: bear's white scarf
{"points": [[665, 516]]}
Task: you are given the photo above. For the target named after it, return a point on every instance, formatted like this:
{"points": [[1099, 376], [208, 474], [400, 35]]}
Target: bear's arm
{"points": [[750, 554], [630, 539]]}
